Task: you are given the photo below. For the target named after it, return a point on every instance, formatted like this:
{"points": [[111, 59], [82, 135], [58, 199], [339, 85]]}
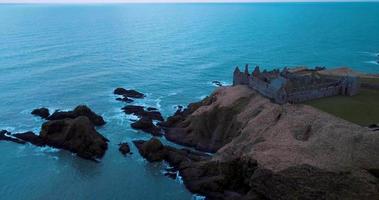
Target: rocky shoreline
{"points": [[261, 150], [267, 151]]}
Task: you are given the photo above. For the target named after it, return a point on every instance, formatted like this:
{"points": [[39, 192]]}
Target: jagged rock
{"points": [[76, 135], [142, 113], [129, 93], [146, 124], [124, 148], [125, 99], [31, 138], [41, 112], [4, 135], [153, 150], [81, 110], [208, 131], [132, 109]]}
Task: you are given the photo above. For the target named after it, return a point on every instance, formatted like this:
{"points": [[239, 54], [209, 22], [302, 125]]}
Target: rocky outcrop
{"points": [[41, 112], [76, 135], [236, 121], [128, 93], [6, 136], [153, 150], [72, 130], [151, 113], [206, 125], [81, 110], [124, 148], [146, 124], [31, 138], [268, 151], [242, 178]]}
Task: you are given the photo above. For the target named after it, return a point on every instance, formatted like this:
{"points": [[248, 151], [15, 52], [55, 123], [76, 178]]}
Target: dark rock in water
{"points": [[41, 112], [129, 93], [81, 110], [373, 126], [131, 109], [171, 175], [146, 124], [4, 136], [124, 148], [76, 135], [217, 83], [151, 109], [141, 112], [125, 99], [31, 138], [153, 150]]}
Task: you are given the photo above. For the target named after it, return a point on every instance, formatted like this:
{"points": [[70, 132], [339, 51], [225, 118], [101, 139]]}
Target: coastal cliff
{"points": [[268, 151]]}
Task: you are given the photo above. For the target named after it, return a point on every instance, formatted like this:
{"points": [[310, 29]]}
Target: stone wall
{"points": [[275, 88], [306, 95]]}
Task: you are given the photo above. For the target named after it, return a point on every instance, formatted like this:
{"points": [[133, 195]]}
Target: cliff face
{"points": [[236, 121]]}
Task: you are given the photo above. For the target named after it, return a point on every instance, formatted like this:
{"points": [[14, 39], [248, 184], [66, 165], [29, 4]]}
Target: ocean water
{"points": [[60, 56]]}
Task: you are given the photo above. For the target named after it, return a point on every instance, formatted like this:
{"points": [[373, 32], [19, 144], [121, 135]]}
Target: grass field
{"points": [[370, 80], [362, 109]]}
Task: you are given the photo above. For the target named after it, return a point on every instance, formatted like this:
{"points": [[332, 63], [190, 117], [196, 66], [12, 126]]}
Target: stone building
{"points": [[295, 86]]}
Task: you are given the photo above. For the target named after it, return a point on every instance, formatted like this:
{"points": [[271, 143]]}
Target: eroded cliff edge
{"points": [[269, 151]]}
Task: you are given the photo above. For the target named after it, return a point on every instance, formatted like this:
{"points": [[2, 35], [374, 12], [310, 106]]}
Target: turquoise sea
{"points": [[60, 56]]}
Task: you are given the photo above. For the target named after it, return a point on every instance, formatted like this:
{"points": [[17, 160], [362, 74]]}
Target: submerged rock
{"points": [[217, 83], [146, 124], [76, 135], [140, 111], [41, 112], [125, 99], [5, 136], [81, 110], [128, 93], [124, 148]]}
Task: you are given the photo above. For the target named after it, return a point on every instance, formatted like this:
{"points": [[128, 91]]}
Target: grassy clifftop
{"points": [[362, 109]]}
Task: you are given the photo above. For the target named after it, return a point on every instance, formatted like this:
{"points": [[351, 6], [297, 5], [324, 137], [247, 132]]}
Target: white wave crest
{"points": [[47, 149], [198, 197], [374, 62]]}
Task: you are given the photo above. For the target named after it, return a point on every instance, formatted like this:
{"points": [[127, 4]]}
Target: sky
{"points": [[160, 1]]}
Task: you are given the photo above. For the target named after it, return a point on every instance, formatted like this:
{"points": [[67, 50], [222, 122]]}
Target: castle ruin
{"points": [[295, 86]]}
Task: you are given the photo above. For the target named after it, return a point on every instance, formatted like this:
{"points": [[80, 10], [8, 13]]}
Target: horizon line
{"points": [[181, 1]]}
